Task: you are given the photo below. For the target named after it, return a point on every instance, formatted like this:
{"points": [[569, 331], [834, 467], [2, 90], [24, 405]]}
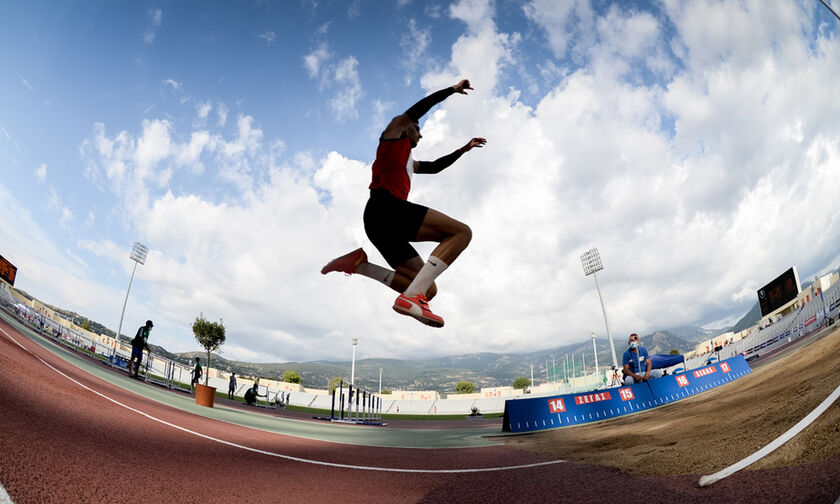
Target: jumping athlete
{"points": [[391, 221]]}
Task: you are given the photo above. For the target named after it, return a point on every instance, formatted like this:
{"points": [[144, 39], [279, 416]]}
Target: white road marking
{"points": [[280, 455], [4, 496]]}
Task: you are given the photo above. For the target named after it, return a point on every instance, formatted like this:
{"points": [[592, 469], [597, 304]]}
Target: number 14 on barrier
{"points": [[556, 405]]}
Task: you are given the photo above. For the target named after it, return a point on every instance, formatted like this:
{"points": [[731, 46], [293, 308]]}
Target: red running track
{"points": [[62, 440]]}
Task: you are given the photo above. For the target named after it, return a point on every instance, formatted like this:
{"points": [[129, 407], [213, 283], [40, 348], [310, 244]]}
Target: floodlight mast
{"points": [[353, 365], [592, 264], [138, 255]]}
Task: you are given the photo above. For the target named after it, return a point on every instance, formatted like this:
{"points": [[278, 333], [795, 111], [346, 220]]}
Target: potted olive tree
{"points": [[211, 336]]}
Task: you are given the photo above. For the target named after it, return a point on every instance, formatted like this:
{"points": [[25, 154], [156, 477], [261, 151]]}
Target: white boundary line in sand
{"points": [[280, 455], [779, 441]]}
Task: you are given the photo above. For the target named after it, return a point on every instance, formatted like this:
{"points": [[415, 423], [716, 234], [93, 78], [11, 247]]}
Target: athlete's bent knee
{"points": [[464, 235]]}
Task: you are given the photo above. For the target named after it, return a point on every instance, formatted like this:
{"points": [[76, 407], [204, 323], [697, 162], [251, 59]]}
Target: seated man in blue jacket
{"points": [[636, 362]]}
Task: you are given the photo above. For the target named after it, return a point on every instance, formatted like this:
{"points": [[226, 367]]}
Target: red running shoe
{"points": [[346, 263], [417, 307]]}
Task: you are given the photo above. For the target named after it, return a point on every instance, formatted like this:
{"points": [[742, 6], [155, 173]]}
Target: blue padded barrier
{"points": [[539, 413]]}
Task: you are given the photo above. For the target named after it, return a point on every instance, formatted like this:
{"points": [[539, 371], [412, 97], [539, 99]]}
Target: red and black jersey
{"points": [[393, 167]]}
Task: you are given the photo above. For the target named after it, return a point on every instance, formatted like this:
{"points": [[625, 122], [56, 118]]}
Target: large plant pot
{"points": [[204, 395]]}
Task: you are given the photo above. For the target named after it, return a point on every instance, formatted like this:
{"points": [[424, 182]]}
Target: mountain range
{"points": [[441, 374]]}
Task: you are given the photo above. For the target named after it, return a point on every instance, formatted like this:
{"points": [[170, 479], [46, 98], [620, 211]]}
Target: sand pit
{"points": [[715, 429]]}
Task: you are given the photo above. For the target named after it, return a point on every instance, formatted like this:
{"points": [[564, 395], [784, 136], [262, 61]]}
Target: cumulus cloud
{"points": [[687, 153], [41, 172]]}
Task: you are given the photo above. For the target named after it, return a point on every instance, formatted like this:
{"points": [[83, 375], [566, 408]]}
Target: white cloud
{"points": [[54, 203], [202, 110], [155, 20], [414, 43], [342, 76], [315, 59], [563, 22], [687, 154], [268, 36], [350, 89], [173, 83], [222, 113], [41, 172]]}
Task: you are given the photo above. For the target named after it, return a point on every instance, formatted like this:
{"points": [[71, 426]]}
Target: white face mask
{"points": [[634, 344]]}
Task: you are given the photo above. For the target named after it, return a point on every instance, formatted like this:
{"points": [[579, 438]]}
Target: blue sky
{"points": [[693, 142]]}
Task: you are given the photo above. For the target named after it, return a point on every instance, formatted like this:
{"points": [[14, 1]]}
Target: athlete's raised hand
{"points": [[462, 87], [475, 142]]}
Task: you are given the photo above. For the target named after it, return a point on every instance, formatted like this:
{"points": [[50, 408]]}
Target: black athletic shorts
{"points": [[391, 223]]}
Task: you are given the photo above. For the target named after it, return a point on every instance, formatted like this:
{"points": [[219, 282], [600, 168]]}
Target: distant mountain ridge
{"points": [[485, 369], [440, 374]]}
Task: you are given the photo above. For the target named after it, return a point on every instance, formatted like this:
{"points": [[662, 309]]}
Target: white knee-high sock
{"points": [[375, 272], [426, 276]]}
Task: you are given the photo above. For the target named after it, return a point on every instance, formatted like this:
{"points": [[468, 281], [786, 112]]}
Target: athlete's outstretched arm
{"points": [[419, 109], [438, 165]]}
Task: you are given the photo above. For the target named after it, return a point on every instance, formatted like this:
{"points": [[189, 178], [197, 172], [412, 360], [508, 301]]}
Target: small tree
{"points": [[334, 383], [210, 335], [674, 351], [291, 377], [465, 387], [385, 391], [521, 383]]}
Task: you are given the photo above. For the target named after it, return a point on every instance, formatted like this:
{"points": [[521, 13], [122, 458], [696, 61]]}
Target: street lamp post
{"points": [[138, 255], [353, 366], [595, 350], [380, 381], [592, 264]]}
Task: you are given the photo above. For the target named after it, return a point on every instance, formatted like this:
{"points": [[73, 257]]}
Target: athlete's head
{"points": [[634, 338], [413, 134], [149, 324]]}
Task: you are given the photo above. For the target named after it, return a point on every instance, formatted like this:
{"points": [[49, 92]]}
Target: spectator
{"points": [[197, 373], [636, 361], [138, 343], [231, 385]]}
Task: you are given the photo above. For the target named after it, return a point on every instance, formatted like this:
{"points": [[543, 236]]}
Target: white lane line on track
{"points": [[280, 455], [4, 496], [779, 441]]}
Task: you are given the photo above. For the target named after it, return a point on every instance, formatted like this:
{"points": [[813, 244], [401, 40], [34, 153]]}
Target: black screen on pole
{"points": [[779, 292], [8, 271]]}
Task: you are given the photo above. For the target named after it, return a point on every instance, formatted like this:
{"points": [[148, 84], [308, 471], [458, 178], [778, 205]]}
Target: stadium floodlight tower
{"points": [[138, 255], [592, 264], [353, 366]]}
